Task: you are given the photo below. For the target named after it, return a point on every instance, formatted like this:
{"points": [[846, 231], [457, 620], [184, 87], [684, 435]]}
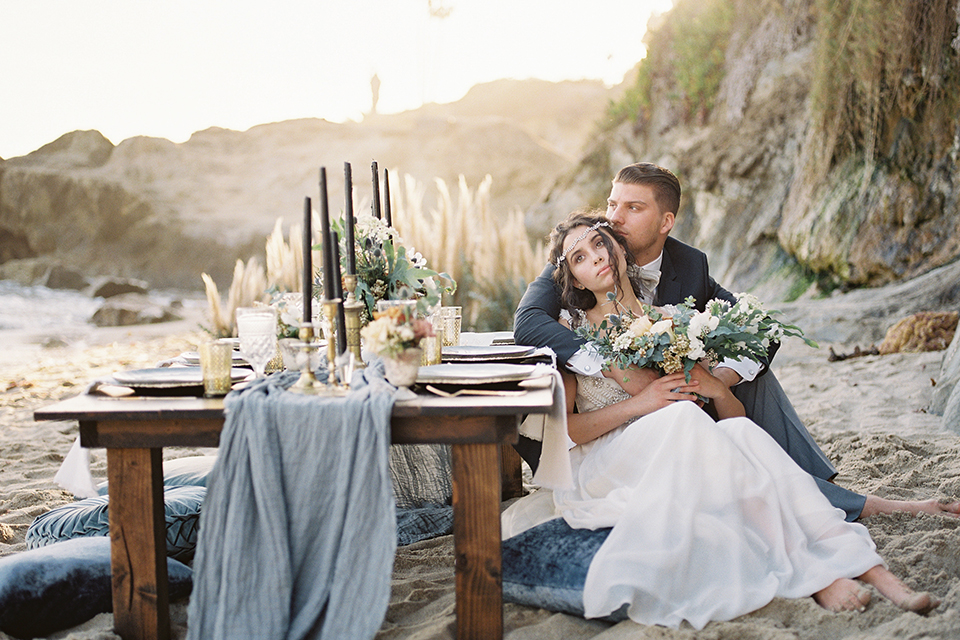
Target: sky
{"points": [[172, 67]]}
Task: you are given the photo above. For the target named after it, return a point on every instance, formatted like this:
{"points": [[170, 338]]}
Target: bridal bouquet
{"points": [[676, 337]]}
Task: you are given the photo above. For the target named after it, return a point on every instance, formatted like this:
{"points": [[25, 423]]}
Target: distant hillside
{"points": [[163, 212]]}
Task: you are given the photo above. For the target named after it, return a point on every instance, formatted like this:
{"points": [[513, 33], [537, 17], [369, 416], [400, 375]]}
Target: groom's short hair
{"points": [[666, 187]]}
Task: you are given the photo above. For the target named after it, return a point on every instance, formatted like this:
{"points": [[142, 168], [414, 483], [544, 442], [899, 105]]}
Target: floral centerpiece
{"points": [[395, 336], [394, 331], [675, 338], [289, 308], [386, 269]]}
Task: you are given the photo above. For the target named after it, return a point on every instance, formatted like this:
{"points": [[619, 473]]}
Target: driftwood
{"points": [[857, 353]]}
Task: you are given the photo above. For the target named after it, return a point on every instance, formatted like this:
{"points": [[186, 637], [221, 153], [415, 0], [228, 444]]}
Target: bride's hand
{"points": [[665, 391], [633, 379]]}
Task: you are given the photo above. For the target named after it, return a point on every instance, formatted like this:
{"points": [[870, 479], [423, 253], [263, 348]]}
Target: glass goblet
{"points": [[257, 329]]}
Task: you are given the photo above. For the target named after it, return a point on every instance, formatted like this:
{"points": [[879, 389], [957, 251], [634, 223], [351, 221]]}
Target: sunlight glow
{"points": [[169, 69]]}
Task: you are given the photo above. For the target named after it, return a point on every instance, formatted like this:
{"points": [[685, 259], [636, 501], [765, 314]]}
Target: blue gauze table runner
{"points": [[298, 530]]}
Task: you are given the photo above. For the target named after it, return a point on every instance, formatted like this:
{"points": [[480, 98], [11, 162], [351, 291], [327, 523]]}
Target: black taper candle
{"points": [[325, 237], [375, 205], [348, 221], [307, 260], [338, 293], [386, 198]]}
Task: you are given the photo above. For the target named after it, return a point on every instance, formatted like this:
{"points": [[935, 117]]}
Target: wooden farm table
{"points": [[134, 431]]}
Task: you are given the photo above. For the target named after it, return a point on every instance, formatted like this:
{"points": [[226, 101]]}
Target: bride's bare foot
{"points": [[899, 593], [843, 595], [875, 505]]}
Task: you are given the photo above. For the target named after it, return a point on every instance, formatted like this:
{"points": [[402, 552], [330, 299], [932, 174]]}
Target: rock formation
{"points": [[162, 212], [778, 196]]}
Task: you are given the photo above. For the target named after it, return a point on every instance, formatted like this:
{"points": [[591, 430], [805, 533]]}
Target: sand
{"points": [[868, 414]]}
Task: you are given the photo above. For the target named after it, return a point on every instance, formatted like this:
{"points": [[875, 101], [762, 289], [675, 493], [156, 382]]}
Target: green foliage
{"points": [[634, 101], [881, 62], [685, 59]]}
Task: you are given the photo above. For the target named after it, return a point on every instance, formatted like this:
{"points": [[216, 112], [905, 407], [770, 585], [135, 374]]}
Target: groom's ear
{"points": [[666, 224]]}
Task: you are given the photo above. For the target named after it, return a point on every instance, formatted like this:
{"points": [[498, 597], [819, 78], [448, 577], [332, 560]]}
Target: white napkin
{"points": [[74, 474], [551, 430]]}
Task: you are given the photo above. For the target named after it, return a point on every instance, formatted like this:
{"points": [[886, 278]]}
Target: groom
{"points": [[642, 206]]}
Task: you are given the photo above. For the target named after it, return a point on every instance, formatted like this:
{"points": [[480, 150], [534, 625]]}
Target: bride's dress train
{"points": [[711, 520]]}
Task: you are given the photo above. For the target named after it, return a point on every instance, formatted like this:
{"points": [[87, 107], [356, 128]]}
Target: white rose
{"points": [[640, 326], [663, 326]]}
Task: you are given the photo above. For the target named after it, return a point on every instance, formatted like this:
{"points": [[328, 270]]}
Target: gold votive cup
{"points": [[216, 361]]}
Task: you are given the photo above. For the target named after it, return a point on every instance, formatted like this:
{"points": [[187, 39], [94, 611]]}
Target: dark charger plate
{"points": [[175, 380]]}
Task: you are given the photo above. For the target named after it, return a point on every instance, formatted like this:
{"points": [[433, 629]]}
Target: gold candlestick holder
{"points": [[332, 388], [352, 309], [307, 383]]}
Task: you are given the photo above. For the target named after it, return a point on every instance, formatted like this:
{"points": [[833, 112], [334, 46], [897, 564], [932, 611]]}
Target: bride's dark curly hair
{"points": [[571, 296]]}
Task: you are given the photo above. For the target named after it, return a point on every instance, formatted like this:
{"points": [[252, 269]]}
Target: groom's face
{"points": [[634, 212]]}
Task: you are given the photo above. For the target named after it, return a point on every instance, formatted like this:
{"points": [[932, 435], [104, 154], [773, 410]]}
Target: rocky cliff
{"points": [[162, 212], [817, 142]]}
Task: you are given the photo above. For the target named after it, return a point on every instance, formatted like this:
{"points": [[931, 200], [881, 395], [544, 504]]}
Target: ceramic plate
{"points": [[479, 373], [170, 377], [466, 353]]}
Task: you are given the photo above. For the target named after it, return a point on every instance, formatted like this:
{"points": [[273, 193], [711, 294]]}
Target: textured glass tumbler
{"points": [[450, 317], [216, 360], [257, 329]]}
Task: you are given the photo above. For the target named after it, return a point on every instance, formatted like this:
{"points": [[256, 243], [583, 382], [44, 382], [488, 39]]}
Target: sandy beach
{"points": [[868, 413]]}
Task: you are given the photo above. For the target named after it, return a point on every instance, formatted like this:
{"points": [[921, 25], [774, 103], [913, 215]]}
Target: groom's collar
{"points": [[655, 264]]}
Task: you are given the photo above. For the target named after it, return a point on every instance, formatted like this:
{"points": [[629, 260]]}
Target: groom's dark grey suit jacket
{"points": [[684, 272]]}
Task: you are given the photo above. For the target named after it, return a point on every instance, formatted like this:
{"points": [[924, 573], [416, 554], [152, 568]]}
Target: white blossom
{"points": [[697, 351], [662, 326], [702, 323]]}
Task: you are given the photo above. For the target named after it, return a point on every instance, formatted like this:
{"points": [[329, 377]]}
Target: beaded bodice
{"points": [[593, 392]]}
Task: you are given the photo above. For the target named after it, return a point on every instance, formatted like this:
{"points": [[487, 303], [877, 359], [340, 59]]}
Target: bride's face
{"points": [[589, 260]]}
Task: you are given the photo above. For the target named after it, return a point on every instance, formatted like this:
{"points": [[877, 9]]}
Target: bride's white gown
{"points": [[711, 520]]}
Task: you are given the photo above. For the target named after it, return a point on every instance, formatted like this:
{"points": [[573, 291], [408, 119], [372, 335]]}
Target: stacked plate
{"points": [[490, 353]]}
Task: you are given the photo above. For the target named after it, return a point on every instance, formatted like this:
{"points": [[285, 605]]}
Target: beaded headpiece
{"points": [[578, 239]]}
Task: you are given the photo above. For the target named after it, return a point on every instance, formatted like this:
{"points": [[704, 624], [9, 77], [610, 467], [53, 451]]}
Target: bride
{"points": [[710, 520]]}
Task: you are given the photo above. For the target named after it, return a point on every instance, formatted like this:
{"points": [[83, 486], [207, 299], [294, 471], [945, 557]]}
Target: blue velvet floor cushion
{"points": [[546, 566], [65, 584], [192, 471], [89, 517]]}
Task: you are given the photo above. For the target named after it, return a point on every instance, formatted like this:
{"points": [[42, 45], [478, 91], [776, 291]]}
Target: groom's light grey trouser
{"points": [[766, 404]]}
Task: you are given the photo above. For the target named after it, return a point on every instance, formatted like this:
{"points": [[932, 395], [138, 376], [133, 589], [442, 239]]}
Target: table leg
{"points": [[476, 540], [511, 472], [138, 551]]}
